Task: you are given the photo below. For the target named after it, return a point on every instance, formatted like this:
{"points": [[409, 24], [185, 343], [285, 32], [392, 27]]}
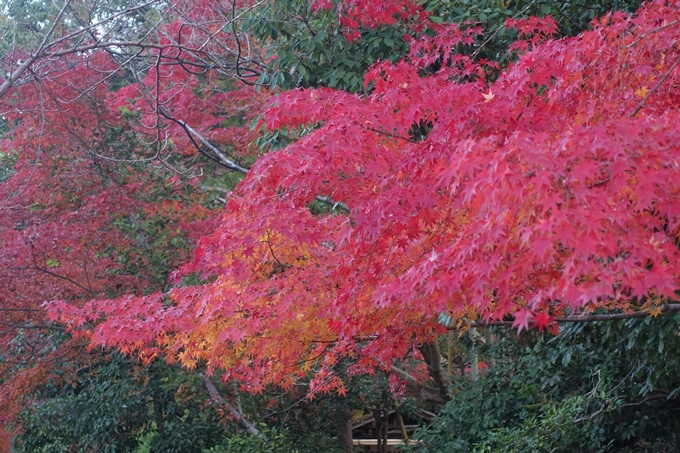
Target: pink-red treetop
{"points": [[553, 190], [84, 164]]}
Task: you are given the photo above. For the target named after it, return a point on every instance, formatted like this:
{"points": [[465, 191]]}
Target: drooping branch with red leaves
{"points": [[549, 192]]}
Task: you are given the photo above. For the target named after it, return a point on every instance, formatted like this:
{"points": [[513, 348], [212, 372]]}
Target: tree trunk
{"points": [[402, 427], [474, 363], [433, 358], [489, 337], [158, 411], [449, 353], [381, 428], [343, 424]]}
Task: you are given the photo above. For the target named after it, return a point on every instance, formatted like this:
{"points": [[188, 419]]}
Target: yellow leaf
{"points": [[488, 96], [642, 92], [655, 312]]}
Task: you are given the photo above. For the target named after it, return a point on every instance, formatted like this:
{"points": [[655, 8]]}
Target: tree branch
{"points": [[586, 318], [417, 388], [230, 164], [217, 398], [656, 87], [433, 358], [223, 159], [658, 29], [653, 397]]}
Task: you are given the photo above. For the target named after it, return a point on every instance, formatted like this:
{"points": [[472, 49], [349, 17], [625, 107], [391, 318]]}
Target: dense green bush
{"points": [[594, 387], [118, 405]]}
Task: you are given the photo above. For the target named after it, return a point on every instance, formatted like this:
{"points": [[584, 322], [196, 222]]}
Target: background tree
{"points": [[93, 203]]}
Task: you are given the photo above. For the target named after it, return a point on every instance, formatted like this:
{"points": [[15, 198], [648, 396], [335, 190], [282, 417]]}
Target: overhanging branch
{"points": [[589, 318], [224, 161]]}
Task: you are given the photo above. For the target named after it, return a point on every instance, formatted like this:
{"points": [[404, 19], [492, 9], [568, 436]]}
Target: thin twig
{"points": [[391, 135], [670, 24], [603, 181], [647, 399], [585, 318], [490, 38], [656, 87]]}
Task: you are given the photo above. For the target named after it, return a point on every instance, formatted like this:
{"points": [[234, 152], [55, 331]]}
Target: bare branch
{"points": [[238, 416], [224, 159]]}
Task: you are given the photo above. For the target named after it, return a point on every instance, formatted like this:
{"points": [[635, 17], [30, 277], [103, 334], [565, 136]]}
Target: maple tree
{"points": [[547, 192], [452, 188], [63, 231], [94, 204]]}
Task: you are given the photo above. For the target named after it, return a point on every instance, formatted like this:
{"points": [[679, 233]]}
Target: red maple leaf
{"points": [[521, 321]]}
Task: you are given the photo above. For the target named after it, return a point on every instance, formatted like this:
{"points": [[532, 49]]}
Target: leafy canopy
{"points": [[548, 189]]}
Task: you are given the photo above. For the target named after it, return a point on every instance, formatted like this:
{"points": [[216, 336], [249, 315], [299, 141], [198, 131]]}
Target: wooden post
{"points": [[402, 427], [488, 336], [474, 366], [449, 354]]}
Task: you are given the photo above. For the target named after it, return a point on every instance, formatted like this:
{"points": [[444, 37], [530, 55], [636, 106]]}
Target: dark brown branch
{"points": [[391, 135], [238, 416], [656, 87], [433, 358], [48, 360], [653, 397], [586, 318], [417, 389], [20, 309], [37, 268], [603, 181], [10, 327]]}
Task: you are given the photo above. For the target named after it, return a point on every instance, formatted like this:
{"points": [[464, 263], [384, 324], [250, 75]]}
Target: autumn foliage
{"points": [[98, 200], [547, 189]]}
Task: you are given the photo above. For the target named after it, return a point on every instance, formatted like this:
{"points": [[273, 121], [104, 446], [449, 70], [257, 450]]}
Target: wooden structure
{"points": [[381, 431]]}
